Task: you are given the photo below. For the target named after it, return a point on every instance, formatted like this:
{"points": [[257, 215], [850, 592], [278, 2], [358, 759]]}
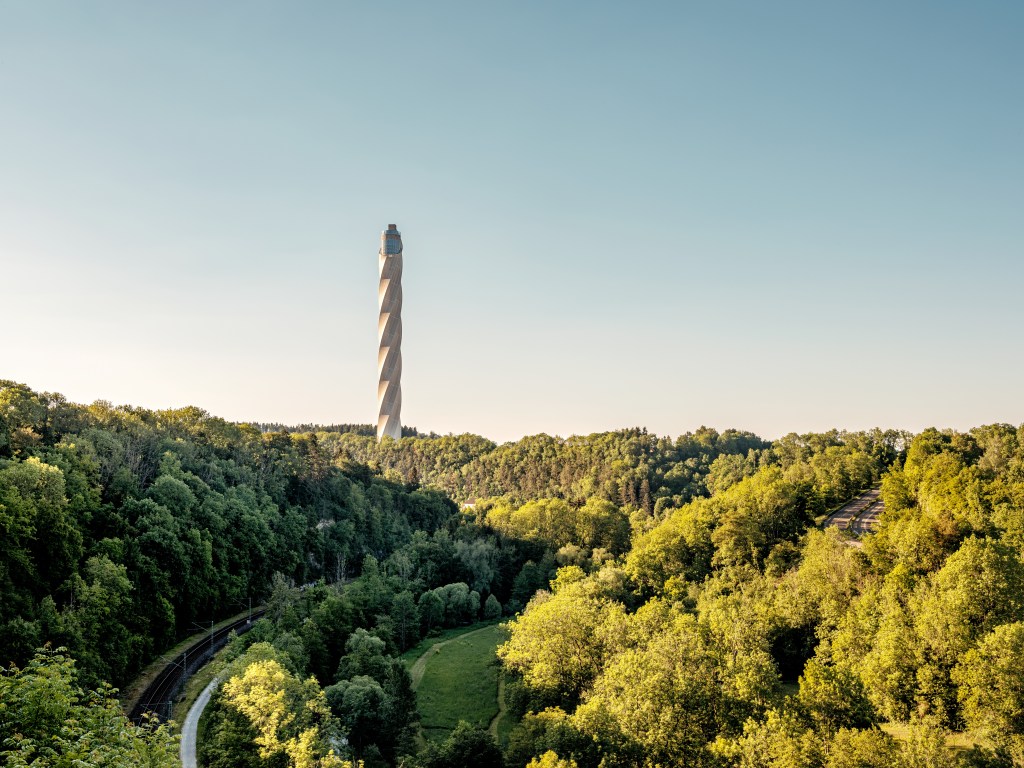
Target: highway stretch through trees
{"points": [[158, 698], [859, 515]]}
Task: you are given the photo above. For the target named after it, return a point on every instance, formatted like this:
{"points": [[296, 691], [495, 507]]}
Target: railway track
{"points": [[158, 698]]}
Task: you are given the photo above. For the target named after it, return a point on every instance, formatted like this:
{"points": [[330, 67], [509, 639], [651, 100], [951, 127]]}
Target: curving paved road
{"points": [[859, 515], [191, 725]]}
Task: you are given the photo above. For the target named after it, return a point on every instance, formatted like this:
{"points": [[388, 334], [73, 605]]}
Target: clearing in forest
{"points": [[457, 679]]}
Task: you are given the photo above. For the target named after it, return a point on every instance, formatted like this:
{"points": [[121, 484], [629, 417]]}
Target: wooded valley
{"points": [[669, 601]]}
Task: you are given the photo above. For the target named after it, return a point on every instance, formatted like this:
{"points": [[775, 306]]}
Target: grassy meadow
{"points": [[459, 681]]}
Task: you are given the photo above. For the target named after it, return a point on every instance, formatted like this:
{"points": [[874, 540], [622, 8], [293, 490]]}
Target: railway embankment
{"points": [[155, 690]]}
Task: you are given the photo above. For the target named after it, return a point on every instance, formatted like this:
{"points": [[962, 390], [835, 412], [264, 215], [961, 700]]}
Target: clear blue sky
{"points": [[773, 216]]}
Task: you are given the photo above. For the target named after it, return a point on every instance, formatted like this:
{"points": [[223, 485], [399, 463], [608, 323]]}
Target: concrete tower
{"points": [[389, 334]]}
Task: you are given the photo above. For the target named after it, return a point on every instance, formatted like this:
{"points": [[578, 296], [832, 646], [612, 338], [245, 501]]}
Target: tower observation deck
{"points": [[389, 335]]}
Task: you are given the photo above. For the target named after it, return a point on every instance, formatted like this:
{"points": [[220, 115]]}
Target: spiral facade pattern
{"points": [[389, 335]]}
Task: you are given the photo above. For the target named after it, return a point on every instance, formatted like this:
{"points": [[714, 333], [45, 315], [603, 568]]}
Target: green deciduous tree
{"points": [[833, 697], [492, 608], [431, 606], [990, 680], [466, 746], [678, 548], [551, 760], [673, 695], [870, 748], [290, 717], [562, 640], [406, 618], [979, 587], [781, 740], [46, 719]]}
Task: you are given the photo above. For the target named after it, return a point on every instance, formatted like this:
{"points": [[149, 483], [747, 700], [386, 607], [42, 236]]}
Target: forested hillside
{"points": [[630, 467], [734, 634], [121, 527], [670, 602]]}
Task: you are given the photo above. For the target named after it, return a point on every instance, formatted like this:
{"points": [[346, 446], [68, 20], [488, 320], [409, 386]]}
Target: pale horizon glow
{"points": [[779, 218]]}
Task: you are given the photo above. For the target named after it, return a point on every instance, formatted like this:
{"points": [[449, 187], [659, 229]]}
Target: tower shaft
{"points": [[389, 335]]}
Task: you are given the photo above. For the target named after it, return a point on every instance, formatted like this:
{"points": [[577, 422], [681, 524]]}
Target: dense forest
{"points": [[628, 467], [669, 602], [733, 633], [123, 527]]}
